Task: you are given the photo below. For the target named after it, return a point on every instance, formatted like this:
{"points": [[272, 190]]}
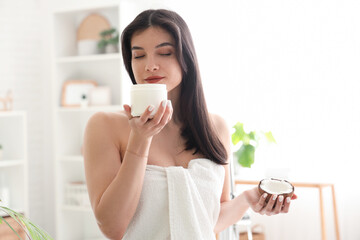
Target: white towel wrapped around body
{"points": [[178, 203]]}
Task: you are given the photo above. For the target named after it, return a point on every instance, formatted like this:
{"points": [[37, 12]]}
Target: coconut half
{"points": [[273, 186]]}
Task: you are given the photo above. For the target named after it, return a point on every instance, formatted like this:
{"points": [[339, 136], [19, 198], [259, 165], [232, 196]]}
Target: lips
{"points": [[153, 79]]}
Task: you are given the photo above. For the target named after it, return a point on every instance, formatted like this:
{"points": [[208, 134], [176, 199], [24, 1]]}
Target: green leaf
{"points": [[252, 135], [108, 33], [114, 40], [270, 137], [35, 232], [245, 155], [102, 44], [239, 133]]}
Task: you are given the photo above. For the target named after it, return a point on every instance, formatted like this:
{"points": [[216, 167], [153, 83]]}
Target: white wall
{"points": [[298, 67]]}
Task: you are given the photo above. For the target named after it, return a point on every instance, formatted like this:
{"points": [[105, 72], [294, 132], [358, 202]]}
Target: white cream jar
{"points": [[143, 95]]}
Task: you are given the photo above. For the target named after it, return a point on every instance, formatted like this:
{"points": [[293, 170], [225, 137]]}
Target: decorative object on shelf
{"points": [[73, 92], [109, 42], [84, 100], [6, 101], [245, 156], [1, 152], [76, 194], [87, 47], [88, 33], [16, 226], [100, 96]]}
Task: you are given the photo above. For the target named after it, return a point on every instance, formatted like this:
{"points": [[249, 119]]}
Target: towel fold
{"points": [[179, 203]]}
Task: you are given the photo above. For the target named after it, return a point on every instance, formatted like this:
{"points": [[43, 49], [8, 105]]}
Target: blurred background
{"points": [[289, 67]]}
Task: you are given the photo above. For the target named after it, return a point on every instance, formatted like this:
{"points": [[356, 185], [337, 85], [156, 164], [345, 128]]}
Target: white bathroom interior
{"points": [[289, 67]]}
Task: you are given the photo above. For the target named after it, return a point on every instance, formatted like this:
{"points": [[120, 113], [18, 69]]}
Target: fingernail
{"points": [[274, 197], [164, 103], [288, 199], [265, 195], [169, 103], [151, 107], [281, 198]]}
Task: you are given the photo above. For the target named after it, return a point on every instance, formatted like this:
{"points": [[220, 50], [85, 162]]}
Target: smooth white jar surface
{"points": [[143, 95]]}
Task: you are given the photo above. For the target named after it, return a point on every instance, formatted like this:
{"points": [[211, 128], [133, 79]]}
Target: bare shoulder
{"points": [[108, 120], [220, 124], [223, 131], [105, 118], [111, 125]]}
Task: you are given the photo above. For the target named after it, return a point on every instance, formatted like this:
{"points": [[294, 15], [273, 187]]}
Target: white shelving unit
{"points": [[74, 217], [13, 162]]}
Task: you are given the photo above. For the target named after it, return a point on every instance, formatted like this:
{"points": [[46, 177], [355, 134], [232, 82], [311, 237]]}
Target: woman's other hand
{"points": [[275, 205], [147, 126]]}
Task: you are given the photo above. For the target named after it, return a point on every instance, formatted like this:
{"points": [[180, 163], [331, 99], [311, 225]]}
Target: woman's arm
{"points": [[115, 183], [232, 211]]}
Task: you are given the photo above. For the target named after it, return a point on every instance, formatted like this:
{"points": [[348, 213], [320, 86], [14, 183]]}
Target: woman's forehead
{"points": [[152, 36]]}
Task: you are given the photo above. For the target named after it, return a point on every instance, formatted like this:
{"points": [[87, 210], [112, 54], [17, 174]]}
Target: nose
{"points": [[151, 65]]}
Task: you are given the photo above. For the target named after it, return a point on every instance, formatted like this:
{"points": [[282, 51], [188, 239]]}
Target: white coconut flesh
{"points": [[273, 186]]}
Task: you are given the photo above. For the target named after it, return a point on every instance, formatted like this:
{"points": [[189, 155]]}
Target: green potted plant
{"points": [[28, 230], [109, 42], [249, 141]]}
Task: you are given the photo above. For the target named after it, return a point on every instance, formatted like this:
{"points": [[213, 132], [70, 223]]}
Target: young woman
{"points": [[167, 176]]}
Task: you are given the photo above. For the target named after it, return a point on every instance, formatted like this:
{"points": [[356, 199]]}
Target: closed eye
{"points": [[165, 54], [137, 57]]}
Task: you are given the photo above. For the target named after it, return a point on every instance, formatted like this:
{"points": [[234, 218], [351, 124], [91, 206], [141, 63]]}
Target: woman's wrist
{"points": [[244, 199], [136, 154], [138, 145]]}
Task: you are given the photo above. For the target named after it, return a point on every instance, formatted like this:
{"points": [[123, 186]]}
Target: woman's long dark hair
{"points": [[197, 128]]}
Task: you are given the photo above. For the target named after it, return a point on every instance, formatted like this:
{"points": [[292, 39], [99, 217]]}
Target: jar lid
{"points": [[148, 86]]}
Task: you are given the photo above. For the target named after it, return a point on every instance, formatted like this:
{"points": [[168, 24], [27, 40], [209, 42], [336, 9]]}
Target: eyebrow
{"points": [[157, 46]]}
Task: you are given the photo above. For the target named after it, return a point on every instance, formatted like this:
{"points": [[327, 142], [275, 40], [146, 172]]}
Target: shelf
{"points": [[11, 163], [75, 221], [11, 113], [89, 58], [89, 109], [76, 208]]}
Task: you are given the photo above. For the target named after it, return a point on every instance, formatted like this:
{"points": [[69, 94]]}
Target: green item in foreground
{"points": [[32, 231]]}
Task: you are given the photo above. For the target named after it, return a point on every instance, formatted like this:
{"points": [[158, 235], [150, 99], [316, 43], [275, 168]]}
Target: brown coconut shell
{"points": [[262, 191]]}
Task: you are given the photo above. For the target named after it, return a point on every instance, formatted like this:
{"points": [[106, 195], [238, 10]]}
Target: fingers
{"points": [[286, 207], [167, 114], [261, 203], [163, 114], [127, 109], [148, 124], [147, 114], [278, 205], [160, 112], [269, 206]]}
